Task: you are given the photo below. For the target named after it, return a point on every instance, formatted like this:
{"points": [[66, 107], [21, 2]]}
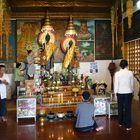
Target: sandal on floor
{"points": [[4, 119], [99, 128], [128, 129]]}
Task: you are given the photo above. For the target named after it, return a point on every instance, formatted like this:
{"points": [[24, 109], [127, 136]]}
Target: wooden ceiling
{"points": [[60, 8]]}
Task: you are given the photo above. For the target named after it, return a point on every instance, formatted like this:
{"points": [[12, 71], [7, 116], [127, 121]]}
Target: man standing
{"points": [[4, 80]]}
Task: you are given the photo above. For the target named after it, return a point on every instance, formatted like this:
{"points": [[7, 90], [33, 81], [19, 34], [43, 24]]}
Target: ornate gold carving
{"points": [[5, 26], [129, 12], [112, 28], [73, 3], [63, 15], [123, 48]]}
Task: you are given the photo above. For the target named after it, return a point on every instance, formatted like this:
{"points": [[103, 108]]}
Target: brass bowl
{"points": [[60, 115], [70, 114], [51, 116]]}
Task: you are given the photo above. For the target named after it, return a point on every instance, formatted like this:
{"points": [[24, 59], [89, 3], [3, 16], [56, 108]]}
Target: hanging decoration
{"points": [[46, 40], [122, 25], [129, 12], [70, 29], [113, 28], [69, 46], [1, 26], [5, 27], [46, 29], [1, 16], [116, 23]]}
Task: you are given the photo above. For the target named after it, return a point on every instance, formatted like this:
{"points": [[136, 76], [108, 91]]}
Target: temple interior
{"points": [[52, 52]]}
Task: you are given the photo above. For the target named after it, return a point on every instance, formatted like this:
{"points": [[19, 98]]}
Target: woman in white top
{"points": [[123, 88], [4, 80]]}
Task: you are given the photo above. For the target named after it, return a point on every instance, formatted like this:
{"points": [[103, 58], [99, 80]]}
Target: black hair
{"points": [[2, 66], [123, 63], [29, 51], [86, 95], [18, 65]]}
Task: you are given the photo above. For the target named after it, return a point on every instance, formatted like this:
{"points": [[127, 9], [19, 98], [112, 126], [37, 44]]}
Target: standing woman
{"points": [[18, 76], [4, 80], [123, 88], [30, 65]]}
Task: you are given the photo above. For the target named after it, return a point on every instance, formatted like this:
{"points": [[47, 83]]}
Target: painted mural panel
{"points": [[103, 40], [27, 38], [85, 36], [59, 28]]}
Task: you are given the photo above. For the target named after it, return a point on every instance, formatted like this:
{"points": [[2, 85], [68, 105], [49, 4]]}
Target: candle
{"points": [[58, 98], [52, 100], [49, 100], [62, 98], [72, 99]]}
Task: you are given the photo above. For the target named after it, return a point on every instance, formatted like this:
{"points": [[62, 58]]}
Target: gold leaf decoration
{"points": [[129, 12]]}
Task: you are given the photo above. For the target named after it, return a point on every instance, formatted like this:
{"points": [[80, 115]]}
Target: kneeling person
{"points": [[85, 113]]}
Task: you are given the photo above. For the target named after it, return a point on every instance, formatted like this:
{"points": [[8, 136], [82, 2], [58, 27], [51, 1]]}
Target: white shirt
{"points": [[124, 82], [3, 86]]}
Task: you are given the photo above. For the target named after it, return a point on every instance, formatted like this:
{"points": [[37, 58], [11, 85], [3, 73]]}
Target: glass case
{"points": [[26, 107], [100, 104]]}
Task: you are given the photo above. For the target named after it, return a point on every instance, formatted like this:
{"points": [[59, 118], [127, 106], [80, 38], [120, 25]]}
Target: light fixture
{"points": [[70, 29]]}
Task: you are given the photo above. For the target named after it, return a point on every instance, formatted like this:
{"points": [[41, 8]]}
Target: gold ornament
{"points": [[68, 57], [70, 29], [122, 47], [112, 28], [41, 119], [129, 12], [5, 26]]}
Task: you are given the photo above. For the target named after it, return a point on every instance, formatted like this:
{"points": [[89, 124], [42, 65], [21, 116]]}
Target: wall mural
{"points": [[94, 38], [85, 36], [103, 40], [27, 38], [59, 28]]}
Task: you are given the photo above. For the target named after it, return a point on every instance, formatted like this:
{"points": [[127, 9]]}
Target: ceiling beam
{"points": [[31, 3], [54, 15]]}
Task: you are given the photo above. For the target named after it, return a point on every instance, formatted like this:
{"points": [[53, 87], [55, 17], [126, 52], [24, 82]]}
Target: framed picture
{"points": [[103, 40], [85, 36]]}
